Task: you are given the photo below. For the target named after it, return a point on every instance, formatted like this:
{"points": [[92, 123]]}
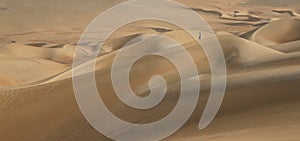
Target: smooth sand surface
{"points": [[260, 41]]}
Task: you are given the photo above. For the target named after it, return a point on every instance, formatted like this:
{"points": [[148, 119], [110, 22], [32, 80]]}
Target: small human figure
{"points": [[200, 35]]}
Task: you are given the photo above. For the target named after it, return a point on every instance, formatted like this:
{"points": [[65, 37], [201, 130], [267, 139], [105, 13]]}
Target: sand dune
{"points": [[288, 47], [32, 63], [268, 36], [238, 15], [68, 124], [60, 55], [261, 47]]}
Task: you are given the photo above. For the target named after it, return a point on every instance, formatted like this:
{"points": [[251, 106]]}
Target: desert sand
{"points": [[260, 41]]}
